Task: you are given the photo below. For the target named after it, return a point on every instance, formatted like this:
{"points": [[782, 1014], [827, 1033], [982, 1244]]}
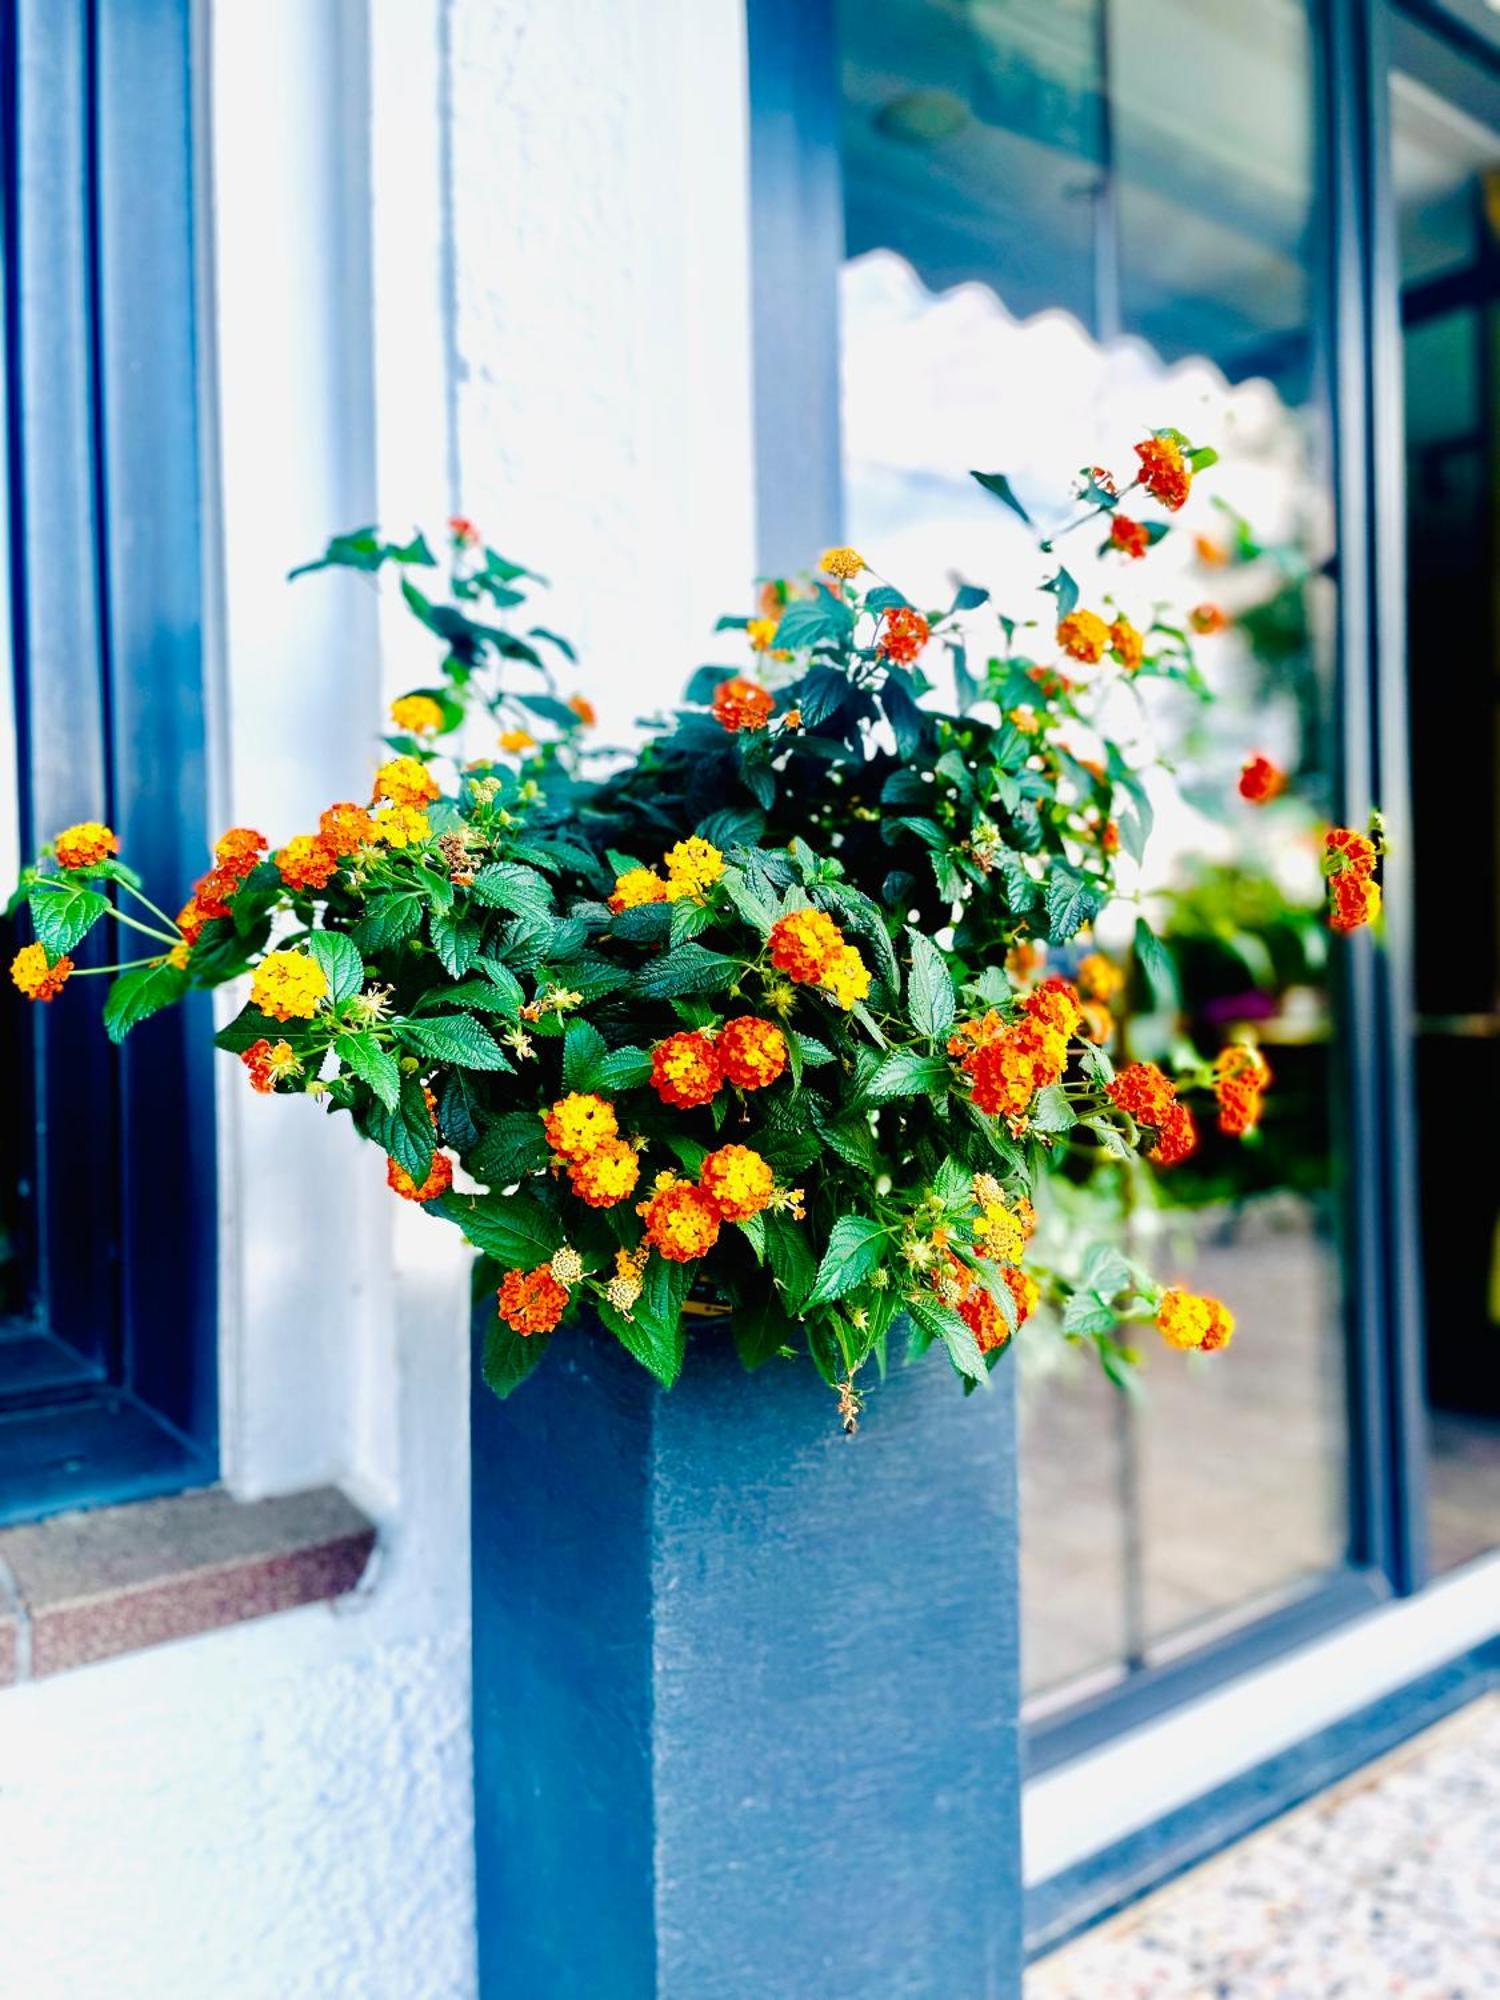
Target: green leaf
{"points": [[456, 941], [143, 991], [1072, 902], [64, 912], [1000, 486], [512, 1228], [583, 1056], [509, 1149], [1157, 963], [625, 1069], [452, 1038], [689, 968], [363, 1056], [484, 996], [1107, 1271], [407, 1132], [1201, 459], [1052, 1112], [1064, 587], [792, 1263], [904, 1073], [855, 1247], [509, 1357], [930, 997], [1085, 1312], [388, 920], [941, 1322], [761, 1330], [364, 550], [506, 885], [342, 965], [809, 621]]}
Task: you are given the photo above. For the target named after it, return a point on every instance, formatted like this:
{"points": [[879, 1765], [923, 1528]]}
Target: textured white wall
{"points": [[477, 252]]}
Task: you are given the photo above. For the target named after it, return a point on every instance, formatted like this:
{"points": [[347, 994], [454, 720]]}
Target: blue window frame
{"points": [[107, 1259]]}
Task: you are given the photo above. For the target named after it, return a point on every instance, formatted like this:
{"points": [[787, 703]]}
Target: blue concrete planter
{"points": [[745, 1690]]}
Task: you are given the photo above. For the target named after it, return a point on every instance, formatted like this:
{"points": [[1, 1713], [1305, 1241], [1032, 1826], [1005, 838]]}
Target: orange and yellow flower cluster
{"points": [[903, 634], [690, 1067], [583, 1131], [741, 703], [1165, 473], [1349, 863], [1242, 1077], [236, 854], [1261, 780], [734, 1184], [85, 845], [1150, 1097], [1192, 1320], [693, 866], [37, 976], [288, 986], [809, 947], [1008, 1062]]}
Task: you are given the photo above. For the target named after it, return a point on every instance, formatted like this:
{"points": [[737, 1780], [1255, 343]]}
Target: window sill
{"points": [[91, 1586]]}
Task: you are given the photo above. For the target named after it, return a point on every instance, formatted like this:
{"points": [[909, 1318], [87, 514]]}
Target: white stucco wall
{"points": [[487, 253]]}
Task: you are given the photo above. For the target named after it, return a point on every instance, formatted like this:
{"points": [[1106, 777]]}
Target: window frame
{"points": [[796, 208], [103, 477]]}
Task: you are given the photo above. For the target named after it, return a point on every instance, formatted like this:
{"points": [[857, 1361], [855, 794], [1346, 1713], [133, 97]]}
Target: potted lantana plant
{"points": [[730, 1046]]}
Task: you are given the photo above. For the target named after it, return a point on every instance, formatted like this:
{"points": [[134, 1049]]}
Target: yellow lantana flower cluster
{"points": [[288, 986], [693, 866]]}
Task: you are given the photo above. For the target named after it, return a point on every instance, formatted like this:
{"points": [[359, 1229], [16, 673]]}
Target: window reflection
{"points": [[1052, 249]]}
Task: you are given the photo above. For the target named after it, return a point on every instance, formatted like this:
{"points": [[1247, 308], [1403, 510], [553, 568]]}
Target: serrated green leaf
{"points": [[509, 1357], [904, 1073], [363, 1056], [855, 1248], [942, 1323], [64, 911], [506, 885], [512, 1228], [513, 1146], [1157, 963], [689, 968], [625, 1069], [342, 965], [142, 991], [930, 998], [583, 1056], [388, 920], [452, 1038]]}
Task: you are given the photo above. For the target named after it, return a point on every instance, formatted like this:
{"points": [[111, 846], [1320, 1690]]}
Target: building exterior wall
{"points": [[476, 253]]}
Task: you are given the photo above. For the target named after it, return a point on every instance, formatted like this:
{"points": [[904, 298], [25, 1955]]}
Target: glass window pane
{"points": [[1446, 171], [1052, 248]]}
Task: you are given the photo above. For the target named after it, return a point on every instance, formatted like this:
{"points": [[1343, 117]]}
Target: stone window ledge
{"points": [[90, 1586]]}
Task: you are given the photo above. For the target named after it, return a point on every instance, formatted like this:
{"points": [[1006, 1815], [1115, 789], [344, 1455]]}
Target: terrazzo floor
{"points": [[1387, 1884]]}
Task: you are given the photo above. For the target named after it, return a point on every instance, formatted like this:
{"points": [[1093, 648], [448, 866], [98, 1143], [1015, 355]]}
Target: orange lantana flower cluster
{"points": [[734, 1184], [1349, 863], [903, 634], [690, 1067], [439, 1179], [1131, 538], [741, 703], [1083, 635], [584, 1134], [1261, 780], [532, 1301], [1008, 1062], [85, 845], [236, 854], [1150, 1097], [809, 947], [1165, 473], [37, 976], [268, 1063], [1242, 1077]]}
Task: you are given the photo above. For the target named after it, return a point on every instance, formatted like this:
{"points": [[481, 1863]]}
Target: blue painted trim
{"points": [[796, 250], [106, 612], [1117, 1876], [745, 1691]]}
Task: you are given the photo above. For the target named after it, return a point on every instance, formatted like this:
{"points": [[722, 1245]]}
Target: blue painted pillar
{"points": [[745, 1691]]}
